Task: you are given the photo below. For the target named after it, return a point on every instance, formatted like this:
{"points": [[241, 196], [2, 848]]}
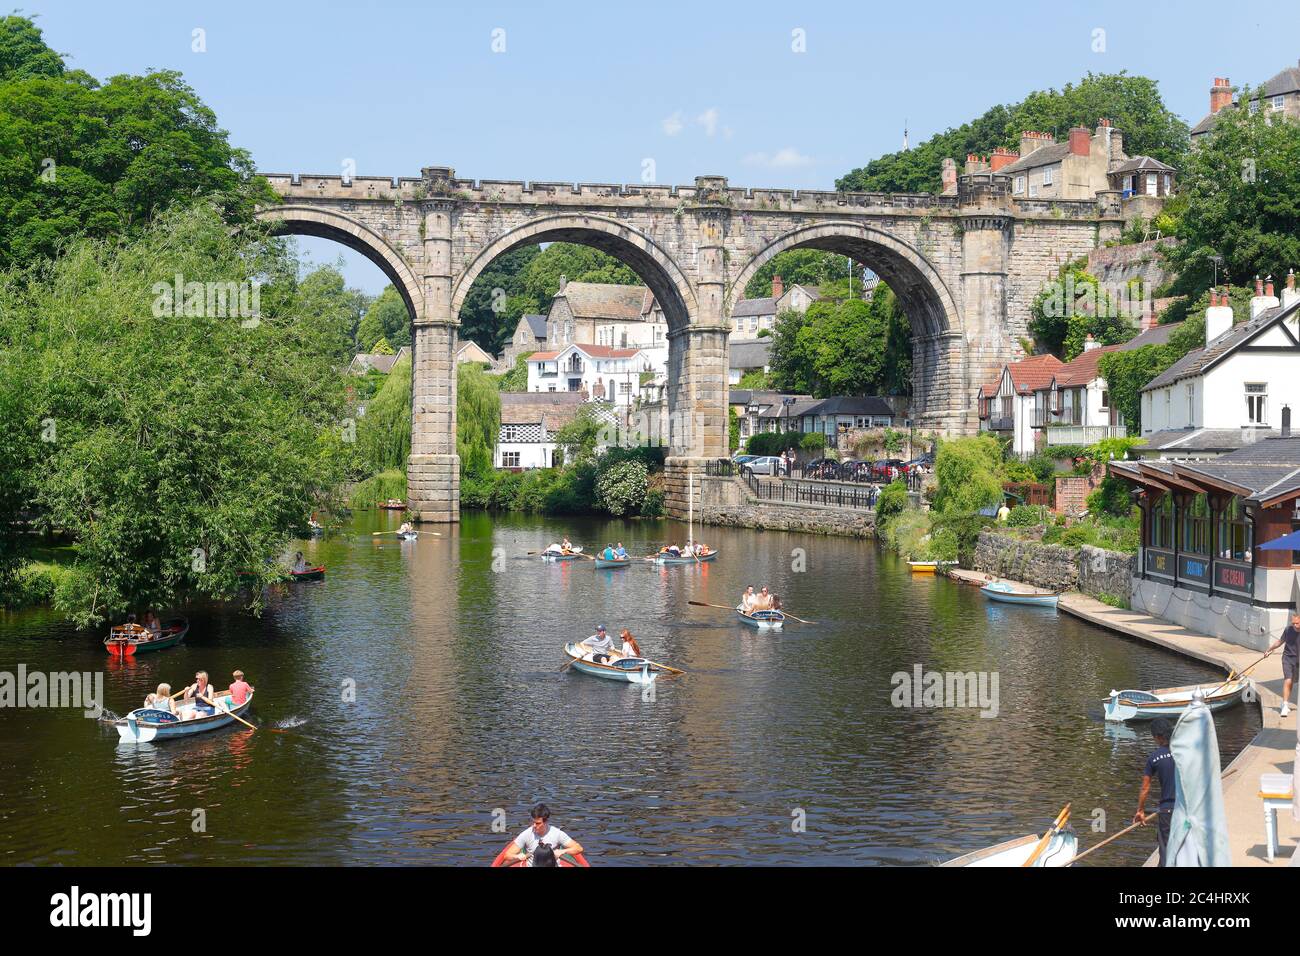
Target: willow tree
{"points": [[478, 418], [384, 432]]}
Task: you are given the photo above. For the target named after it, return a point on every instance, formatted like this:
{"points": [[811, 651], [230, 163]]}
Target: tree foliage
{"points": [[478, 418], [384, 432], [968, 472]]}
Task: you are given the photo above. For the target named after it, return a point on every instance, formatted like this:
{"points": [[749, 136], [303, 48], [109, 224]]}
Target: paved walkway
{"points": [[1272, 751]]}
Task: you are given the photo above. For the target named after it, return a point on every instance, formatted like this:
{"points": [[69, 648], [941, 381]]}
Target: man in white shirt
{"points": [[541, 832]]}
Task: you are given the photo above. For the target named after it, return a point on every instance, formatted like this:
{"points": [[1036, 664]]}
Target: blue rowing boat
{"points": [[762, 619], [665, 557], [147, 723]]}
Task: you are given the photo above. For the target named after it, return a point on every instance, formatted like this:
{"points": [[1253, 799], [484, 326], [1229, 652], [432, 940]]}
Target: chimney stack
{"points": [[564, 280], [1218, 317], [1002, 157], [1080, 140], [976, 163], [778, 285], [948, 174], [1220, 94], [1263, 299], [1031, 140], [1289, 294], [1286, 421]]}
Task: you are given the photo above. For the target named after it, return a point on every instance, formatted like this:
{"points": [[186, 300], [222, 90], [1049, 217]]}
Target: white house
{"points": [[754, 355], [1007, 404], [1074, 407], [751, 316], [1238, 382], [601, 372], [526, 438]]}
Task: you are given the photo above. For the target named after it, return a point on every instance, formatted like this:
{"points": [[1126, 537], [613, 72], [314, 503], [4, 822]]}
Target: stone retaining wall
{"points": [[728, 502], [1091, 570]]}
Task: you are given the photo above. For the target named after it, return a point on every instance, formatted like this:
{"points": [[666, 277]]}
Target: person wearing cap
{"points": [[600, 644], [1160, 765], [1290, 659]]}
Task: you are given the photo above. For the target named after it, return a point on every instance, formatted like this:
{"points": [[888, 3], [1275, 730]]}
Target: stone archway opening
{"points": [[925, 299]]}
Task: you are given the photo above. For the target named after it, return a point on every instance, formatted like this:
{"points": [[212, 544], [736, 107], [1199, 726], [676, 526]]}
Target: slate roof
{"points": [[604, 300], [1207, 124], [536, 325], [750, 354], [551, 409], [1141, 164], [746, 307], [1204, 439], [1201, 360], [1043, 156], [1266, 469], [1285, 81], [852, 405], [1156, 335]]}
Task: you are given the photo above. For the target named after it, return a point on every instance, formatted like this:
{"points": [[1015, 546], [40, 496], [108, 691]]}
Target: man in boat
{"points": [[200, 692], [239, 689], [1290, 659], [763, 600], [620, 553], [299, 563], [1160, 765], [405, 528], [566, 546], [601, 646], [608, 553], [539, 832]]}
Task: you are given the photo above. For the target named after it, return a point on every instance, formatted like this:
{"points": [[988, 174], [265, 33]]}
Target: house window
{"points": [[1033, 190], [1191, 403], [1020, 185], [1047, 176], [1254, 106], [1105, 400], [1276, 103], [1236, 532], [1256, 403], [1151, 184], [510, 459], [510, 433], [1007, 406]]}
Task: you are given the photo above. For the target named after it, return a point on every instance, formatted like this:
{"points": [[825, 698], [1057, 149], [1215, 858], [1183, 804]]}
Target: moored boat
{"points": [[1010, 594], [308, 574], [564, 859], [146, 723], [392, 504], [612, 562], [126, 640], [1171, 701], [761, 619], [1054, 848], [927, 567], [628, 670]]}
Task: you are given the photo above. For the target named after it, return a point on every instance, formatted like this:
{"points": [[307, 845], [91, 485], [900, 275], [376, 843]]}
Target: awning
{"points": [[1288, 542]]}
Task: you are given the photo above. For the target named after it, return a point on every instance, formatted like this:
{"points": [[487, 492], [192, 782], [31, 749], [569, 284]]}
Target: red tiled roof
{"points": [[543, 356], [1033, 373], [1082, 369]]}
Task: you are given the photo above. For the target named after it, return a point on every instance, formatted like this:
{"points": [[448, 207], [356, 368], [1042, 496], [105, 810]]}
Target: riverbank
{"points": [[1273, 750]]}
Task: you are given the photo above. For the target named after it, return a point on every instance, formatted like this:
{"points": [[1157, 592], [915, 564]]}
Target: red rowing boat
{"points": [[565, 859]]}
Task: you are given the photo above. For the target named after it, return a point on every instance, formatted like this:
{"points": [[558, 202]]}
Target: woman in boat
{"points": [[152, 623], [776, 602], [405, 528], [299, 563], [630, 646], [161, 699], [763, 600], [747, 599], [566, 546], [201, 693]]}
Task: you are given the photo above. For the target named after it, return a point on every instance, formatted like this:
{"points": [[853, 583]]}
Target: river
{"points": [[412, 707]]}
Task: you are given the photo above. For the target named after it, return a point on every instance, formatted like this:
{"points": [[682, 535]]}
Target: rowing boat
{"points": [[664, 557], [308, 574], [392, 504], [1171, 701], [407, 535], [147, 723], [628, 670], [761, 619], [928, 567], [1061, 849], [613, 562], [572, 555], [126, 640], [1010, 594], [564, 859]]}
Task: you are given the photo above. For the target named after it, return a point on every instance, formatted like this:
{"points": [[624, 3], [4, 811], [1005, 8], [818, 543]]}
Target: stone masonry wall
{"points": [[727, 502], [1090, 570]]}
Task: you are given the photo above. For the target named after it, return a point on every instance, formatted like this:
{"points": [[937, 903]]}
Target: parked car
{"points": [[822, 468], [855, 469], [741, 459], [763, 465], [887, 469]]}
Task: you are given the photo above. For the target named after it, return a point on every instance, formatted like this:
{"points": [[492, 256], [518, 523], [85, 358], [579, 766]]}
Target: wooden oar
{"points": [[1233, 675], [231, 713], [1061, 817], [725, 608], [671, 670], [1092, 849]]}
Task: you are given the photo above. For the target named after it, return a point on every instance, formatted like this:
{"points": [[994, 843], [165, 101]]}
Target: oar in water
{"points": [[436, 534], [1055, 828], [1093, 849], [725, 608]]}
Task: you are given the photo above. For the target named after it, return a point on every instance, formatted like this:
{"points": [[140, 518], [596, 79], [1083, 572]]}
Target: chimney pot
{"points": [[1268, 286], [1290, 278], [1220, 94], [1259, 286], [778, 285], [1080, 141], [1286, 421]]}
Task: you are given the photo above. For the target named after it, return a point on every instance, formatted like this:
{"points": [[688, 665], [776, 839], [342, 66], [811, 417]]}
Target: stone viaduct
{"points": [[966, 268]]}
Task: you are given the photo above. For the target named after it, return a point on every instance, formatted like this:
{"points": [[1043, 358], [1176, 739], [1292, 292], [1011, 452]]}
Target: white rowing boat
{"points": [[628, 670], [761, 619], [1171, 701], [147, 723], [1054, 848], [571, 555]]}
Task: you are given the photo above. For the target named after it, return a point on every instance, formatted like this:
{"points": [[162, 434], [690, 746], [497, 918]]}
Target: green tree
{"points": [[540, 279], [389, 316], [621, 488], [384, 432], [968, 474], [478, 418], [176, 450], [495, 301], [82, 158]]}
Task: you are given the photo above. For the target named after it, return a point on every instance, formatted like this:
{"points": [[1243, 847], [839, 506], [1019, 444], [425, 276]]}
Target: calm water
{"points": [[454, 644]]}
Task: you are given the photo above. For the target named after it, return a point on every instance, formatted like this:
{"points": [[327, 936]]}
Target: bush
{"points": [[906, 533], [1042, 466], [377, 489], [1111, 498], [1024, 516], [893, 501], [653, 506], [1079, 535], [812, 441], [621, 489], [773, 443]]}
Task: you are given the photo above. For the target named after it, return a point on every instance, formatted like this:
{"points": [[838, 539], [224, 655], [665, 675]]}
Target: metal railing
{"points": [[1083, 434]]}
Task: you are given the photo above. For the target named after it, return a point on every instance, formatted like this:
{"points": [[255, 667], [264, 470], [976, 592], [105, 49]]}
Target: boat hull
{"points": [[1060, 850], [662, 559], [1169, 701], [634, 670], [311, 574], [561, 556], [614, 563], [143, 726], [565, 859], [1018, 597], [407, 535], [763, 620], [173, 632]]}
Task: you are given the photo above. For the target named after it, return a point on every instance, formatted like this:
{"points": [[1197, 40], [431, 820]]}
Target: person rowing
{"points": [[601, 646], [406, 528], [299, 563], [540, 832], [620, 553], [608, 554], [200, 692], [762, 600]]}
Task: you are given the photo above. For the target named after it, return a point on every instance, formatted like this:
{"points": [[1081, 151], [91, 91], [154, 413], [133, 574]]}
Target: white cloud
{"points": [[788, 158], [673, 124], [709, 120]]}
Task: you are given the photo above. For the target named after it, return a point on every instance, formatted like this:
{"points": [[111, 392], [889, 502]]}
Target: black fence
{"points": [[812, 493]]}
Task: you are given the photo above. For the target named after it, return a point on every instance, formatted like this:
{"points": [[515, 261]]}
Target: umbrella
{"points": [[1198, 830], [1288, 542]]}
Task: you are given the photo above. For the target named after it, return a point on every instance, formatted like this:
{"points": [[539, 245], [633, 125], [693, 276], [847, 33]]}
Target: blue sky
{"points": [[589, 91]]}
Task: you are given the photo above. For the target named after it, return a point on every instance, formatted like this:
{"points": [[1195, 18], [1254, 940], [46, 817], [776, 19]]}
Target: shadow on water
{"points": [[419, 692]]}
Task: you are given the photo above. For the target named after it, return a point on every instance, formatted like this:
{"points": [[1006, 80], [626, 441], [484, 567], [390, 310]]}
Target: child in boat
{"points": [[239, 689], [161, 700], [544, 856]]}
